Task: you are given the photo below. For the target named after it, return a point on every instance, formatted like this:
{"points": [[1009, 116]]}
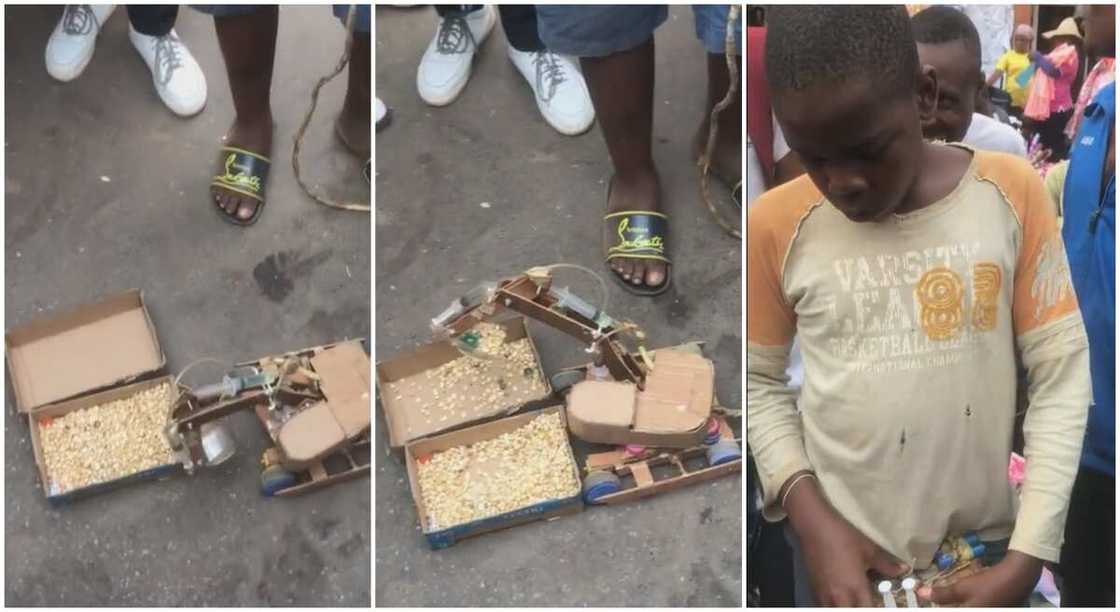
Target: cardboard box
{"points": [[442, 538], [400, 415], [90, 355], [85, 401]]}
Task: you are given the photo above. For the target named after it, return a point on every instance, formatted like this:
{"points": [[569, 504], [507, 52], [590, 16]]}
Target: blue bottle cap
{"points": [[972, 539], [978, 550], [944, 561]]}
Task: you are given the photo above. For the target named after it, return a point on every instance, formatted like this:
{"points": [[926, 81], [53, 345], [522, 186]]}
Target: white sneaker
{"points": [[558, 86], [446, 65], [382, 114], [70, 46], [178, 78]]}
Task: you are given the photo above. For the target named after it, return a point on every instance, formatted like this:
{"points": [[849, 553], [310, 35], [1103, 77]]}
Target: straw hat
{"points": [[1068, 27]]}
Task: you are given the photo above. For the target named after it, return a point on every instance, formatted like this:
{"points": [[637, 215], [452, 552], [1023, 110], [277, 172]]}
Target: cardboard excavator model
{"points": [[656, 399], [313, 404]]}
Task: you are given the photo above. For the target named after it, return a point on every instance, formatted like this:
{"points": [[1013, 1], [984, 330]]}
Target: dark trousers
{"points": [[769, 560], [152, 19], [1089, 555], [1052, 134], [518, 20]]}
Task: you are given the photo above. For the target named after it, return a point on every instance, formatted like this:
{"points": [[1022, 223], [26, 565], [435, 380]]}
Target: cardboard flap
{"points": [[602, 403], [678, 394], [344, 377], [310, 434], [90, 348]]}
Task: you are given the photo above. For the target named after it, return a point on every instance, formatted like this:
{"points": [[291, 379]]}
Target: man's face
{"points": [[860, 149], [958, 82], [1100, 30], [1021, 43]]}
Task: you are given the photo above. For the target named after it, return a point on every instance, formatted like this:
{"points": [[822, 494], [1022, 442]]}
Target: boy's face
{"points": [[861, 149], [958, 83], [1021, 43]]}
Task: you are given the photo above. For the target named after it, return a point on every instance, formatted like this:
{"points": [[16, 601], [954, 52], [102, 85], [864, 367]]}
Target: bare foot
{"points": [[642, 192], [352, 128], [255, 135], [727, 158]]}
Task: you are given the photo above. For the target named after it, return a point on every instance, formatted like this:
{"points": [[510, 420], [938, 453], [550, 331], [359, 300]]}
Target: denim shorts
{"points": [[361, 16], [595, 31], [711, 27]]}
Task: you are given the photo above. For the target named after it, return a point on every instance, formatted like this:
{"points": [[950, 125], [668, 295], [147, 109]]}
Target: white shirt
{"points": [[989, 134], [756, 183], [755, 187]]}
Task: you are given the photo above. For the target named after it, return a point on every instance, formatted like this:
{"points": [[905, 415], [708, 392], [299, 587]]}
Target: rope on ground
{"points": [[298, 144], [705, 162]]}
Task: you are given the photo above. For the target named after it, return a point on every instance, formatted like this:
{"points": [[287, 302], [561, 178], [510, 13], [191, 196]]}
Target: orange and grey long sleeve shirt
{"points": [[910, 329]]}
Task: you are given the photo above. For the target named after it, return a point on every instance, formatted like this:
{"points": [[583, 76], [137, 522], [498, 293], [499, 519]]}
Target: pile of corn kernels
{"points": [[500, 376], [529, 465], [107, 441]]}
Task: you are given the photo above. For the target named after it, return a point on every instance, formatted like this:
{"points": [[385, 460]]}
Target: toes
{"points": [[639, 272], [231, 203], [623, 267], [655, 274], [247, 209]]}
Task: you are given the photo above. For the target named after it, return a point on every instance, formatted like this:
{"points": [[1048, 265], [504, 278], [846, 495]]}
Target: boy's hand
{"points": [[1006, 584], [837, 556]]}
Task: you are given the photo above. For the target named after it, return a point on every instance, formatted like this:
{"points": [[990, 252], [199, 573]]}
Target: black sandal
{"points": [[246, 173], [638, 234]]}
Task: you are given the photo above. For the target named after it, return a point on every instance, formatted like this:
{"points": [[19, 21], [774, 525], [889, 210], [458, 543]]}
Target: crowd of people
{"points": [[930, 289]]}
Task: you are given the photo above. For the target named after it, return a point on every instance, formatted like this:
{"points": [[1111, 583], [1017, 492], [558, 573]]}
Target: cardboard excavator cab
{"points": [[671, 412], [343, 415], [662, 401]]}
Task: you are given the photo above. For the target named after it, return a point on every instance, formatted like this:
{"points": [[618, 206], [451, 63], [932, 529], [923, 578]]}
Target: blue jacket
{"points": [[1089, 232]]}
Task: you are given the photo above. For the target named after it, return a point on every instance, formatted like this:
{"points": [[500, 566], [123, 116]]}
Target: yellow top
{"points": [[1011, 64]]}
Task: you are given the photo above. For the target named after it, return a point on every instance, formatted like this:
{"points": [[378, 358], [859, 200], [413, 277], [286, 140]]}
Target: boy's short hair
{"points": [[814, 45], [943, 24]]}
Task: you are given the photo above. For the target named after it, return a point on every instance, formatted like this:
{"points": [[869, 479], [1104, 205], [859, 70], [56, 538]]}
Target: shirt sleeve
{"points": [[1002, 64], [1051, 339], [774, 431]]}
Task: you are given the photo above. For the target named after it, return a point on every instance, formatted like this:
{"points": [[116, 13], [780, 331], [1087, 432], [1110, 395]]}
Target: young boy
{"points": [[914, 275], [949, 43]]}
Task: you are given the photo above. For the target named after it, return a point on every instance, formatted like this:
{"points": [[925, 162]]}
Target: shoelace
{"points": [[168, 57], [79, 20], [454, 36], [550, 74]]}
